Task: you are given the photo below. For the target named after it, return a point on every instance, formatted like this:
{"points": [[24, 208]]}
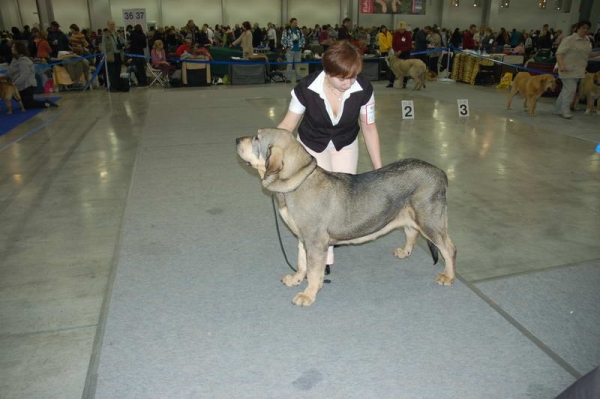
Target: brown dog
{"points": [[9, 91], [324, 208], [414, 68], [531, 88], [589, 87]]}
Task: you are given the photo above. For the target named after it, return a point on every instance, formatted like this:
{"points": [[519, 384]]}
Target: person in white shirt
{"points": [[272, 36], [572, 59]]}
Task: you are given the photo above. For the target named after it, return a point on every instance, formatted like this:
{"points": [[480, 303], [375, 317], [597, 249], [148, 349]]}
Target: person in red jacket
{"points": [[402, 45], [468, 41], [187, 43]]}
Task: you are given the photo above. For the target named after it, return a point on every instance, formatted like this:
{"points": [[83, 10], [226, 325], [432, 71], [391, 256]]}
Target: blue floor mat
{"points": [[9, 122]]}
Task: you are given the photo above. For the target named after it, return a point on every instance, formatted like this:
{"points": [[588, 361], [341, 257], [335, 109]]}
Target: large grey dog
{"points": [[323, 208]]}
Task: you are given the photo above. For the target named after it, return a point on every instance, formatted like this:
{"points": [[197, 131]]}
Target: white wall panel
{"points": [[178, 12], [463, 16], [67, 12], [522, 14], [29, 13], [261, 11], [525, 14], [311, 12]]}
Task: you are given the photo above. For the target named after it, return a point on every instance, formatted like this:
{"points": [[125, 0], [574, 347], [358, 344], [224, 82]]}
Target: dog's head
{"points": [[279, 158], [548, 82], [391, 57]]}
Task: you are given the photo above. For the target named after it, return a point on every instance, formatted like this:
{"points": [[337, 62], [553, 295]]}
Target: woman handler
{"points": [[332, 106]]}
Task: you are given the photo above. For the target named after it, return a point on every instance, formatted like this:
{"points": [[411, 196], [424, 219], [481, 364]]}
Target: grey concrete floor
{"points": [[524, 197]]}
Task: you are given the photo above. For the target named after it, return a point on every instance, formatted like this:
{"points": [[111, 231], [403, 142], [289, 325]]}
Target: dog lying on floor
{"points": [[589, 88], [414, 68], [9, 91], [531, 88], [324, 208]]}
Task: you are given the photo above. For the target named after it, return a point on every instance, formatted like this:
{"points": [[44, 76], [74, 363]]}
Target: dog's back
{"points": [[390, 189]]}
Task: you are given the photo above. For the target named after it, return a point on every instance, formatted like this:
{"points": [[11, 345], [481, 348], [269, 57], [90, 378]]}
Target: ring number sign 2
{"points": [[408, 109], [463, 107]]}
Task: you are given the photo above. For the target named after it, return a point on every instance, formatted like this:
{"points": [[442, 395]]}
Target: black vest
{"points": [[316, 129]]}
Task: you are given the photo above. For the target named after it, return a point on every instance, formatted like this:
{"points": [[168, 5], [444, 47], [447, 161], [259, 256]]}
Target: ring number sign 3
{"points": [[463, 107]]}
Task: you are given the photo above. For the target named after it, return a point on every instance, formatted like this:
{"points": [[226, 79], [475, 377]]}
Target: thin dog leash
{"points": [[327, 281], [279, 234]]}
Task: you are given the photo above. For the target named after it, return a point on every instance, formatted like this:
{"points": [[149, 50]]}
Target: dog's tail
{"points": [[434, 251]]}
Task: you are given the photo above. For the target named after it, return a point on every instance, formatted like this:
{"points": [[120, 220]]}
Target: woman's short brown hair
{"points": [[342, 60], [246, 25], [74, 27]]}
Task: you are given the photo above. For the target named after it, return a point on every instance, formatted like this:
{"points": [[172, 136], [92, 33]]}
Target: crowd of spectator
{"points": [[191, 38]]}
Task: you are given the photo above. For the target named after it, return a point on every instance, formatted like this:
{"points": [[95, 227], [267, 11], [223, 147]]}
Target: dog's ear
{"points": [[274, 161]]}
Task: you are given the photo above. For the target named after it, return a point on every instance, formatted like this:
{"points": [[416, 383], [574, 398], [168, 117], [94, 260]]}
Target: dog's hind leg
{"points": [[444, 244], [18, 98], [292, 280], [316, 255], [8, 106], [435, 230], [511, 95], [411, 239]]}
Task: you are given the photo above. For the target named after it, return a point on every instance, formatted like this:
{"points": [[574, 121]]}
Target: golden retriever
{"points": [[589, 87], [531, 88]]}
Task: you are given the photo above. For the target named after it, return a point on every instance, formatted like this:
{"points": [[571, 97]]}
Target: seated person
{"points": [[520, 49], [197, 50], [159, 58], [77, 40], [187, 43]]}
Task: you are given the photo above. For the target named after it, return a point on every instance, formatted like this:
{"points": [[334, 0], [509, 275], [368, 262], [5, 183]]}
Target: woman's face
{"points": [[583, 30], [13, 48], [341, 84]]}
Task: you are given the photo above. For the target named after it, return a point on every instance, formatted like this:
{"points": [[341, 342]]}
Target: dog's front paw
{"points": [[401, 253], [291, 280], [442, 279], [588, 111], [302, 300]]}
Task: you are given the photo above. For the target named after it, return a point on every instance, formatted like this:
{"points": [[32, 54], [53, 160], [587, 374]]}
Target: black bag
{"points": [[123, 85], [248, 74]]}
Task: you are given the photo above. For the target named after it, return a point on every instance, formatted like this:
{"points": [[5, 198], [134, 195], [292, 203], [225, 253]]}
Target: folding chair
{"points": [[156, 76]]}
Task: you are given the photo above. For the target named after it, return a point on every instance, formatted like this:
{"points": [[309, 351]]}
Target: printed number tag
{"points": [[463, 107], [370, 114], [408, 109]]}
